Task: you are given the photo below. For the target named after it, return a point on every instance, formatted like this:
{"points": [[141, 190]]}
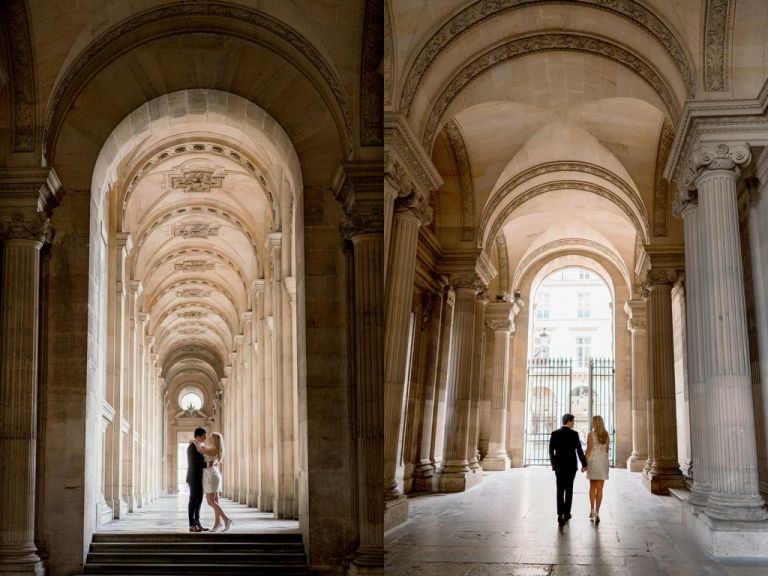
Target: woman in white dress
{"points": [[214, 454], [597, 465]]}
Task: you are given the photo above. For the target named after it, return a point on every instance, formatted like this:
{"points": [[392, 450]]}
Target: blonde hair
{"points": [[599, 427], [217, 441]]}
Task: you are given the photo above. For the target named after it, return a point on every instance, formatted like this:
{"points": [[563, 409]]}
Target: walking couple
{"points": [[204, 477], [564, 446]]}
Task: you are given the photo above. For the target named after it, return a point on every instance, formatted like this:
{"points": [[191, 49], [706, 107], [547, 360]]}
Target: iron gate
{"points": [[553, 389]]}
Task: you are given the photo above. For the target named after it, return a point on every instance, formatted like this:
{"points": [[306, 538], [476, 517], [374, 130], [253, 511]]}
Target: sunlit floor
{"points": [[508, 526], [169, 514]]}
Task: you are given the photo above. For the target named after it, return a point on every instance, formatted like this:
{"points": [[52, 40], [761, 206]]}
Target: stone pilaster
{"points": [[410, 213], [478, 360], [359, 190], [635, 310], [23, 233], [467, 283], [500, 318], [665, 471], [733, 464], [687, 207]]}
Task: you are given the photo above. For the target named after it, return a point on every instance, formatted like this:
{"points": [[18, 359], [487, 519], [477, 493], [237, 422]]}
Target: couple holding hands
{"points": [[204, 457], [564, 446]]}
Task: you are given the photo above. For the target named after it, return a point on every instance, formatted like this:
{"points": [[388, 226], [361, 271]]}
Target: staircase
{"points": [[190, 553]]}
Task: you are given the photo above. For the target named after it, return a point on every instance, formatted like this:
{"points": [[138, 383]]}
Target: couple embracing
{"points": [[564, 447], [204, 456]]}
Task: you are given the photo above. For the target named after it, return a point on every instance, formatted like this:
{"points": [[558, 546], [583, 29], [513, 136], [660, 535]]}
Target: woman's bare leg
{"points": [[599, 494], [592, 491], [216, 508], [221, 510]]}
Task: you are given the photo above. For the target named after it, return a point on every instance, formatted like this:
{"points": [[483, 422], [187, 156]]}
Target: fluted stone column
{"points": [[688, 209], [665, 470], [733, 466], [410, 213], [255, 406], [23, 234], [500, 318], [469, 275], [635, 310], [129, 402], [478, 360]]}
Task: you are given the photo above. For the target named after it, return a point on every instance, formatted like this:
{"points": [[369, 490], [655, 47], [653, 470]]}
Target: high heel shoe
{"points": [[216, 528], [597, 518], [591, 514], [228, 524]]}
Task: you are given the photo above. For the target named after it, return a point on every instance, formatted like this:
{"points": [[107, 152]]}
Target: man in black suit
{"points": [[564, 446], [195, 466]]}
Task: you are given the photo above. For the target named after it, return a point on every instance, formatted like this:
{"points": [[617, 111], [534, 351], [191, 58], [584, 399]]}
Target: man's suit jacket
{"points": [[195, 465], [562, 445]]}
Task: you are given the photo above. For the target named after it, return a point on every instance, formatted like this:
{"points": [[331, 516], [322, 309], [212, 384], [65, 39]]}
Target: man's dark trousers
{"points": [[565, 491], [195, 501], [564, 449]]}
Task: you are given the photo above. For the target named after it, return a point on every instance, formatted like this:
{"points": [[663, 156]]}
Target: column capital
{"points": [[124, 240], [471, 269], [708, 157], [660, 277], [686, 202], [357, 185], [635, 311], [500, 316], [25, 223], [135, 287]]}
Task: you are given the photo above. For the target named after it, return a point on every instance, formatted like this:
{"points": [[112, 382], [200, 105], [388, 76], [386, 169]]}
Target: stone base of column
{"points": [[727, 538], [119, 508], [660, 483], [253, 499], [636, 463], [130, 501], [104, 513], [10, 567], [731, 508], [284, 508], [423, 477], [367, 561], [395, 512], [459, 481], [266, 502], [496, 462]]}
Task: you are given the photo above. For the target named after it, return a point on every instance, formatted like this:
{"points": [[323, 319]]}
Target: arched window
{"points": [[190, 399]]}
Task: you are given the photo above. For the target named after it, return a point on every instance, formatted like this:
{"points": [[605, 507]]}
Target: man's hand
{"points": [[583, 468]]}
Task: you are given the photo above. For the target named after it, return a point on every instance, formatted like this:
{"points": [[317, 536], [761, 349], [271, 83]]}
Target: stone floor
{"points": [[169, 514], [508, 526]]}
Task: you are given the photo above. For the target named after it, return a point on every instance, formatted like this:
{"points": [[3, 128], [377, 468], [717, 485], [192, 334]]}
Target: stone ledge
{"points": [[395, 512], [727, 539]]}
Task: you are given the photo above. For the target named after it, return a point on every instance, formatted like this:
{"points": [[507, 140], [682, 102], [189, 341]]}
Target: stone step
{"points": [[161, 557], [195, 569], [190, 553]]}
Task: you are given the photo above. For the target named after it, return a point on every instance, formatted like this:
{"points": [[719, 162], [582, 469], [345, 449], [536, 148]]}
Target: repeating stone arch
{"points": [[483, 10], [495, 226], [544, 42], [566, 245], [512, 184], [218, 17], [177, 285]]}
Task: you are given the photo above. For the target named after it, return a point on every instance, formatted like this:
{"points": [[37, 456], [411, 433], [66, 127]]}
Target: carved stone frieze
{"points": [[192, 314], [238, 15], [25, 225], [193, 293], [717, 39], [197, 181], [371, 78], [568, 166], [191, 331], [196, 230], [402, 148], [539, 43], [661, 185], [357, 185], [22, 74], [500, 325], [480, 11], [706, 157], [194, 266], [472, 269], [503, 261], [466, 182]]}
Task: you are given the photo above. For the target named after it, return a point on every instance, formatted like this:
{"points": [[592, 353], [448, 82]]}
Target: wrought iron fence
{"points": [[551, 393]]}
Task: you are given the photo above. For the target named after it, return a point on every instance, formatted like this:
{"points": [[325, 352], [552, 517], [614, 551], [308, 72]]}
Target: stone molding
{"points": [[186, 11], [544, 42], [569, 166], [401, 146], [659, 264], [718, 28], [635, 311], [500, 316], [25, 224], [357, 185], [38, 189], [482, 10], [463, 165], [592, 188]]}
